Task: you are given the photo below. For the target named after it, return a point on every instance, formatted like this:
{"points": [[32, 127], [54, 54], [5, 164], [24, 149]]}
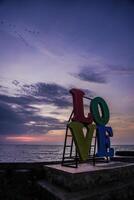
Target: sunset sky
{"points": [[50, 46]]}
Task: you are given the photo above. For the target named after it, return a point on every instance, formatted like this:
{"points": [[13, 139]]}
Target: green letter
{"points": [[100, 120], [83, 143]]}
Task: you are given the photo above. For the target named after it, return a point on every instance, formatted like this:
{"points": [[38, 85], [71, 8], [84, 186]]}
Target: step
{"points": [[109, 191]]}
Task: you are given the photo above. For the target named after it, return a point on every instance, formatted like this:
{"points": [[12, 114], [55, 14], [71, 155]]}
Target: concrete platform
{"points": [[88, 167], [105, 180]]}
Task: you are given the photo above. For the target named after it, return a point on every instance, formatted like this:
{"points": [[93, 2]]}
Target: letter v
{"points": [[82, 143]]}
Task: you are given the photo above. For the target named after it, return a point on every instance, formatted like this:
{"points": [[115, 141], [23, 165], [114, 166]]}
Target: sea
{"points": [[39, 153]]}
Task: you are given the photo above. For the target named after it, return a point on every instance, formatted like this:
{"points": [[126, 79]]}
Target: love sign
{"points": [[96, 120]]}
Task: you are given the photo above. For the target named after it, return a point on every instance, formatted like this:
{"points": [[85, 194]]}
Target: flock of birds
{"points": [[14, 29]]}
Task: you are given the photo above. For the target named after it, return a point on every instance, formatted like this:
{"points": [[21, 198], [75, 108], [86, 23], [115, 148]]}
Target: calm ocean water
{"points": [[38, 153]]}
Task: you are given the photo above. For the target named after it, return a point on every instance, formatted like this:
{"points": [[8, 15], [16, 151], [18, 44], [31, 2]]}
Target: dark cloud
{"points": [[3, 89], [25, 119], [89, 93], [49, 93], [7, 114], [52, 94], [10, 120], [91, 75], [20, 100], [18, 114], [127, 70], [15, 82]]}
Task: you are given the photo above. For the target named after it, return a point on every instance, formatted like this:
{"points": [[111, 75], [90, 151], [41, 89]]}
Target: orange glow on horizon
{"points": [[53, 136], [21, 138]]}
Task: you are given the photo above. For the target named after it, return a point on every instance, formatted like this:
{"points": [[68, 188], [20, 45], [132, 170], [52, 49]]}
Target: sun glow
{"points": [[53, 136], [22, 138]]}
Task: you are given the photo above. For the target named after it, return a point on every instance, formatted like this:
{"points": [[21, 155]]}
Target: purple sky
{"points": [[50, 46]]}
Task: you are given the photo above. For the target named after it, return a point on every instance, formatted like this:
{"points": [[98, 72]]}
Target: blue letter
{"points": [[103, 141]]}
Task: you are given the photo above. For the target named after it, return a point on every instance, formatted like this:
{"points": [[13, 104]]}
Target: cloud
{"points": [[3, 89], [24, 111], [15, 82], [52, 94], [25, 119], [39, 93], [91, 75], [100, 75], [122, 70], [48, 93], [7, 114], [19, 115]]}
